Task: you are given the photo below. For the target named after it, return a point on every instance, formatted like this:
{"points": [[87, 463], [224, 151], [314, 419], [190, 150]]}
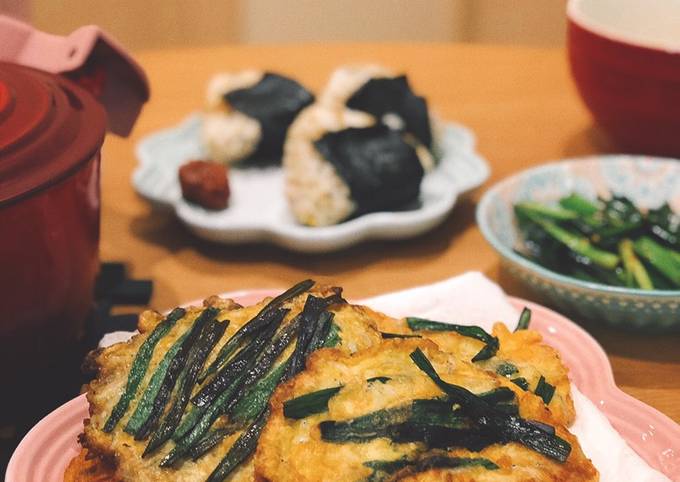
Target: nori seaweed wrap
{"points": [[250, 116], [381, 170], [393, 95]]}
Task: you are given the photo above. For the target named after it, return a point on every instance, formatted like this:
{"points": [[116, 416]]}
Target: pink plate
{"points": [[42, 456]]}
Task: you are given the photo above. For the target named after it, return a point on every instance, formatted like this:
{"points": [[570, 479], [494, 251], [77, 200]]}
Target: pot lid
{"points": [[48, 127]]}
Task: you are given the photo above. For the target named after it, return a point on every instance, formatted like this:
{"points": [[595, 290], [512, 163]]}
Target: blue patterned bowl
{"points": [[648, 181]]}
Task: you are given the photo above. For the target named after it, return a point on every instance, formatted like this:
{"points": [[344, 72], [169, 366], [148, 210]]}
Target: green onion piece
{"points": [[173, 372], [241, 449], [309, 404], [497, 395], [417, 324], [634, 266], [663, 259], [436, 412], [521, 382], [488, 351], [557, 213], [204, 419], [145, 403], [580, 205], [257, 397], [383, 469], [199, 353], [240, 361], [387, 336], [310, 324], [524, 319], [265, 361], [505, 369], [333, 338], [508, 427], [658, 280], [544, 390], [140, 365], [366, 427], [254, 325], [324, 327], [315, 327], [188, 422], [578, 244], [378, 379], [210, 441]]}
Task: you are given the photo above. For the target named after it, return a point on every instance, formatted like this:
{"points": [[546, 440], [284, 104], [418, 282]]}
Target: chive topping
{"points": [[173, 372], [264, 362], [226, 401], [241, 449], [383, 469], [521, 382], [324, 331], [476, 332], [140, 365], [200, 424], [145, 403], [497, 395], [248, 390], [310, 328], [504, 428], [257, 397], [260, 320], [199, 353], [208, 442], [333, 338], [240, 361], [524, 319], [388, 336], [309, 404], [544, 390]]}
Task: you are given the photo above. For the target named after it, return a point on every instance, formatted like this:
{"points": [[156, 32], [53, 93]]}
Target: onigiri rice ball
{"points": [[341, 161], [248, 114]]}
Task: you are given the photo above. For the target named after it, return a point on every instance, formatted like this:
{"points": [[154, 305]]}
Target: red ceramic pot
{"points": [[51, 132], [625, 59]]}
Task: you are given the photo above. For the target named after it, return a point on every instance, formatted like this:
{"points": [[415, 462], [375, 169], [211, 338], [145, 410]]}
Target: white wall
{"points": [[166, 23]]}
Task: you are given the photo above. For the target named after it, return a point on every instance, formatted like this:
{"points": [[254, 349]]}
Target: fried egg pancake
{"points": [[293, 450], [356, 331]]}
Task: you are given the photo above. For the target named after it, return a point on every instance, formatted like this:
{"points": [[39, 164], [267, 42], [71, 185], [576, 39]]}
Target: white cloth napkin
{"points": [[473, 299]]}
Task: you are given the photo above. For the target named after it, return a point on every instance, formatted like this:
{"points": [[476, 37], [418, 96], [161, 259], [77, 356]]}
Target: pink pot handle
{"points": [[88, 56]]}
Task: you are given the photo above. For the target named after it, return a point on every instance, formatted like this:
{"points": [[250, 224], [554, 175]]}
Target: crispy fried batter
{"points": [[357, 331], [85, 468], [291, 450]]}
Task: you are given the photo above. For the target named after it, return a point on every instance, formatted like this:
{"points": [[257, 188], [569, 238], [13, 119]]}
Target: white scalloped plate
{"points": [[257, 208]]}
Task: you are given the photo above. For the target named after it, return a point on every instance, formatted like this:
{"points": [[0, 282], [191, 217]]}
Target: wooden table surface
{"points": [[524, 110]]}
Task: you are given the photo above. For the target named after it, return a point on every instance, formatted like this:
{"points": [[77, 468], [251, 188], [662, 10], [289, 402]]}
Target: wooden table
{"points": [[522, 106]]}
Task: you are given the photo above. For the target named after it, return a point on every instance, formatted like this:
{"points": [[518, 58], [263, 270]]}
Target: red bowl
{"points": [[625, 60]]}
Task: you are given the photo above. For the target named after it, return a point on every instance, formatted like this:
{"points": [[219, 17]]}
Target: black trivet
{"points": [[63, 379]]}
